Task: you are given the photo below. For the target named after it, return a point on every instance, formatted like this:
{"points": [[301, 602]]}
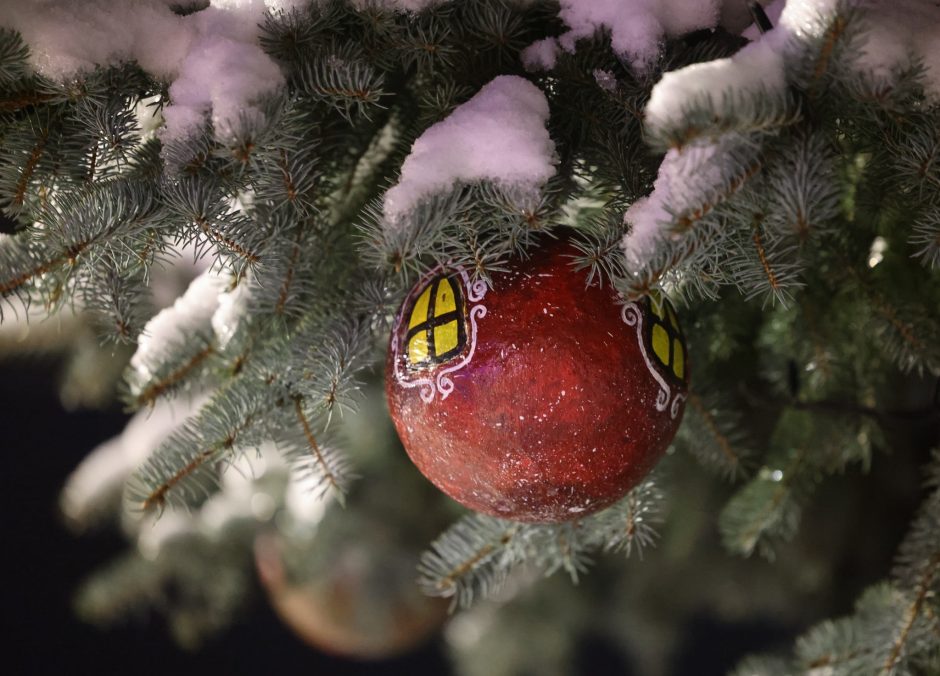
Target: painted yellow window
{"points": [[445, 337], [445, 301], [436, 329], [418, 348], [678, 358], [665, 336], [661, 343], [419, 314]]}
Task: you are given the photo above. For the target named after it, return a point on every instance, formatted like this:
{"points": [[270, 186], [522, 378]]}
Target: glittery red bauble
{"points": [[537, 398]]}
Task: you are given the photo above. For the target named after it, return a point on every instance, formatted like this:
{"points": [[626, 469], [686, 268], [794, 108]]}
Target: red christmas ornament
{"points": [[537, 398]]}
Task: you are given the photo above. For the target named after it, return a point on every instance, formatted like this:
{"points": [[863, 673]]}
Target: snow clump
{"points": [[211, 57], [637, 28], [498, 135]]}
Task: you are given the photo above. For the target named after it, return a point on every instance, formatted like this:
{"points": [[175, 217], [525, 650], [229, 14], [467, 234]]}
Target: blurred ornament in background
{"points": [[358, 599]]}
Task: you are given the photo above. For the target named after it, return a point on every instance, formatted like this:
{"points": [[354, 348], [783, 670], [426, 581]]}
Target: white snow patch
{"points": [[498, 135], [232, 308], [192, 312], [103, 472], [637, 27], [605, 79], [397, 5], [540, 55], [897, 33], [756, 67], [687, 172], [211, 57]]}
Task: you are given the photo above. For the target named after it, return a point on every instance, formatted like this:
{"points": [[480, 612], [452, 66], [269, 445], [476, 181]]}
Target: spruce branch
{"points": [[470, 559], [344, 81], [13, 54], [475, 556], [706, 118], [317, 464], [926, 237], [895, 624], [18, 199], [183, 471], [768, 507], [713, 432], [145, 394]]}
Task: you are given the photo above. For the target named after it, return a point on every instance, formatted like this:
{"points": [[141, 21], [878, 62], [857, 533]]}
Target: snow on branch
{"points": [[637, 28], [891, 36], [211, 57], [499, 135], [691, 182], [101, 475], [183, 330]]}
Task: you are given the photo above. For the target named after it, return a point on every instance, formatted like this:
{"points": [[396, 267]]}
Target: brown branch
{"points": [[904, 330], [12, 284], [158, 496], [833, 34], [228, 242], [314, 446], [913, 611], [23, 101], [723, 443], [288, 180], [289, 278], [19, 195], [360, 94], [690, 218], [762, 255], [155, 390], [466, 566]]}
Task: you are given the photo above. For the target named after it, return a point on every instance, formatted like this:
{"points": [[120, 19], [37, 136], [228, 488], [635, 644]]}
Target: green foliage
{"points": [[805, 251], [893, 629], [475, 556]]}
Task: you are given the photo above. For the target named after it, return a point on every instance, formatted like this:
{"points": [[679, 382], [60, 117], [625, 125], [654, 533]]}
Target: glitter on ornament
{"points": [[553, 406]]}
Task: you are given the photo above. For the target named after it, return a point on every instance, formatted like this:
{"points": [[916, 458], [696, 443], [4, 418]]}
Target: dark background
{"points": [[43, 443]]}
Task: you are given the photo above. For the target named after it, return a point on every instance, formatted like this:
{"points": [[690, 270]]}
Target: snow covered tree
{"points": [[778, 180]]}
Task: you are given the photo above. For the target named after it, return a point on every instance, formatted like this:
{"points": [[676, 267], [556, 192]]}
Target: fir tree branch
{"points": [[762, 255], [831, 38], [284, 293], [687, 220], [158, 388], [218, 237], [24, 100], [157, 497], [13, 284], [326, 472], [923, 588], [19, 195], [723, 442], [462, 568]]}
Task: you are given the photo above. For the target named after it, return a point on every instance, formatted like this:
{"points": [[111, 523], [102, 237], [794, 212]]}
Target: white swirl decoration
{"points": [[441, 382], [632, 315]]}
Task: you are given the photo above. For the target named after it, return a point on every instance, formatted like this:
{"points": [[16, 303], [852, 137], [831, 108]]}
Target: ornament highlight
{"points": [[538, 398]]}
